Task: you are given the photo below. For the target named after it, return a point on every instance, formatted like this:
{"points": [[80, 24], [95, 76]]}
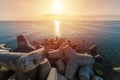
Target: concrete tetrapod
{"points": [[61, 77], [56, 54], [44, 69], [74, 60], [23, 45], [53, 74], [3, 48], [26, 68], [85, 73], [60, 66], [21, 62]]}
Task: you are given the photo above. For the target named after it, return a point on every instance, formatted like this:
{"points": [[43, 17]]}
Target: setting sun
{"points": [[57, 7]]}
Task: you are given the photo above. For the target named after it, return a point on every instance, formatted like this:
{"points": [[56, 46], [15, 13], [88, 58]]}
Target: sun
{"points": [[57, 7]]}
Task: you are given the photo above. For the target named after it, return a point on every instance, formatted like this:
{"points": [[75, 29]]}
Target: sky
{"points": [[30, 9]]}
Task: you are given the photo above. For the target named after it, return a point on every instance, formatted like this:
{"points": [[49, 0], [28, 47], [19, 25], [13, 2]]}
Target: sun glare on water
{"points": [[57, 28]]}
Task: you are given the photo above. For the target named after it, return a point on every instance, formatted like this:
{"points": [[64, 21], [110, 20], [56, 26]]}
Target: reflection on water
{"points": [[105, 34], [57, 28]]}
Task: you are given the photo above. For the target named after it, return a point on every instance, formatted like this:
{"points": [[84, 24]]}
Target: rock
{"points": [[61, 77], [53, 74], [23, 45], [60, 66], [44, 69], [85, 73]]}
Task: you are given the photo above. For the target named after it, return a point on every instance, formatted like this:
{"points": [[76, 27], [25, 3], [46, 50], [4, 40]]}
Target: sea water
{"points": [[105, 34]]}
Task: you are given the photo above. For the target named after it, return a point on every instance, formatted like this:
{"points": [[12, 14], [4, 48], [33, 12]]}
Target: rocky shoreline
{"points": [[52, 59]]}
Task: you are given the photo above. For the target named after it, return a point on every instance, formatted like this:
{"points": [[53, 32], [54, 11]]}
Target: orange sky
{"points": [[27, 9]]}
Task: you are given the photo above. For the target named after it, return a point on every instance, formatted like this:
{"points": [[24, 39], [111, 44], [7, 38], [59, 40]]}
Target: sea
{"points": [[105, 34]]}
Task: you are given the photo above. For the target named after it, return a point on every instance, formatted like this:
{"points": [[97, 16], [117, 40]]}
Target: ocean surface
{"points": [[105, 34]]}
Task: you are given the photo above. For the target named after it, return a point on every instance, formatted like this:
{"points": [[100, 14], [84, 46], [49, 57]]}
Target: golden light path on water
{"points": [[57, 28]]}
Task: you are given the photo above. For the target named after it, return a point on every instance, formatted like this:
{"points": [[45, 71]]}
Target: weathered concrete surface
{"points": [[85, 73], [21, 62], [71, 69], [81, 59], [23, 45], [60, 66], [74, 60], [53, 74], [44, 69], [61, 77], [3, 47], [58, 53]]}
